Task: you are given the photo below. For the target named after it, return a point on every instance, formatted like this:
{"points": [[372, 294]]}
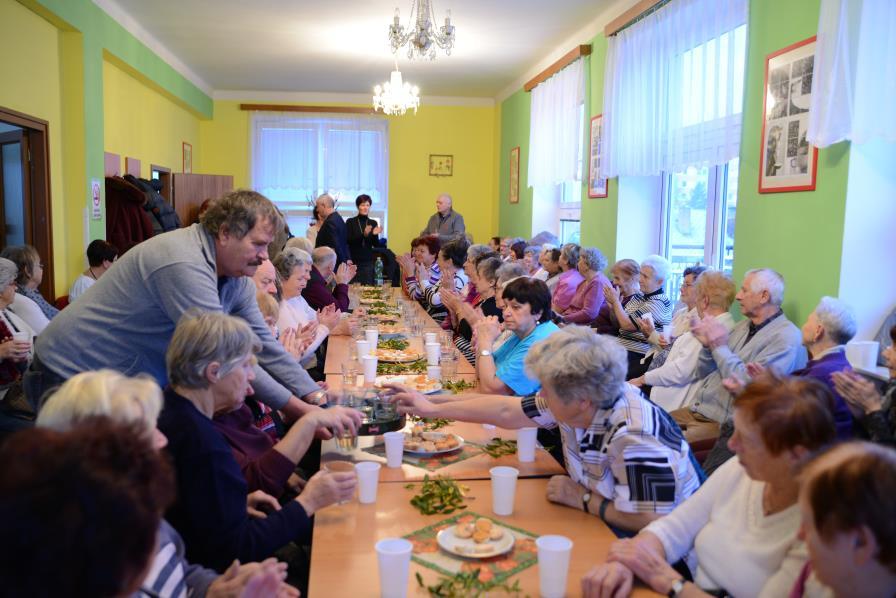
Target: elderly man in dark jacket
{"points": [[332, 233]]}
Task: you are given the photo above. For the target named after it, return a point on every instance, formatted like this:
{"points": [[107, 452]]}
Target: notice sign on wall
{"points": [[97, 212]]}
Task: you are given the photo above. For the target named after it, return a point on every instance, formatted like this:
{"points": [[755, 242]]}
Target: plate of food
{"points": [[480, 539], [397, 355], [426, 443], [419, 382]]}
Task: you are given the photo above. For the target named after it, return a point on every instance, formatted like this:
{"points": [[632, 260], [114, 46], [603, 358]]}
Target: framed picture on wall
{"points": [[441, 165], [514, 195], [787, 161], [188, 157], [597, 184]]}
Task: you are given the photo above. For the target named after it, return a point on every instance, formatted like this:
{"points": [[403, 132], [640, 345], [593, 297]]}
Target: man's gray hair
{"points": [[580, 365], [571, 252], [8, 272], [838, 319], [289, 259], [237, 212], [766, 279], [593, 258], [448, 197], [533, 249], [327, 200], [660, 266], [205, 337], [477, 250], [510, 270], [323, 256]]}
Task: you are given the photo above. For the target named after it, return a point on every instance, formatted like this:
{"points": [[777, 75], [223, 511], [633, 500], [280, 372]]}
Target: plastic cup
{"points": [[369, 364], [394, 448], [368, 478], [363, 348], [553, 565], [431, 337], [433, 353], [339, 467], [393, 556], [862, 354], [503, 489], [372, 335], [525, 444], [434, 372]]}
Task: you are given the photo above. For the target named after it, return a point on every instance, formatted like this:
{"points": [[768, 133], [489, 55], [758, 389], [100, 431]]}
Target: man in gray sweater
{"points": [[446, 223], [125, 320], [764, 336]]}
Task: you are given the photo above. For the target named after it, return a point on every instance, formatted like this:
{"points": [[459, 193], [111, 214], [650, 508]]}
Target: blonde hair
{"points": [[103, 393], [717, 287], [267, 305]]}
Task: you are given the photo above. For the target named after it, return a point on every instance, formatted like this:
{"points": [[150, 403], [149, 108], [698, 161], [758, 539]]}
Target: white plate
{"points": [[398, 357], [463, 546], [459, 446], [402, 379]]}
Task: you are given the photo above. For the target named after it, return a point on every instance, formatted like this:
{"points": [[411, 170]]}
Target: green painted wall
{"points": [[799, 234], [515, 219]]}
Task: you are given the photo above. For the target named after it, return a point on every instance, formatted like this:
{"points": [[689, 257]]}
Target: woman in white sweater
{"points": [[740, 528]]}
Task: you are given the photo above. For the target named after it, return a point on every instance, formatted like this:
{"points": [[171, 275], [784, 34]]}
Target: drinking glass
{"points": [[449, 366]]}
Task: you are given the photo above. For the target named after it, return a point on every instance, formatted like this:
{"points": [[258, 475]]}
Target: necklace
{"points": [[92, 275]]}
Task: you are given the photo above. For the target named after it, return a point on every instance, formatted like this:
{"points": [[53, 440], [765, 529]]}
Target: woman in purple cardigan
{"points": [[589, 295], [569, 278]]}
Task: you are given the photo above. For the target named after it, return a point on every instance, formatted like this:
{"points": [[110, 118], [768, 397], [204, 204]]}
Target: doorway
{"points": [[25, 188]]}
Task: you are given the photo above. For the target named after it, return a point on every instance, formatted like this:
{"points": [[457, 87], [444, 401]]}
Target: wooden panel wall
{"points": [[111, 164], [132, 167], [190, 190]]}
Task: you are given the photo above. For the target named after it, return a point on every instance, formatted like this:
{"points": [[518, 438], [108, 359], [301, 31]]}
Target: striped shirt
{"points": [[432, 300], [170, 574], [632, 453], [416, 288], [658, 305]]}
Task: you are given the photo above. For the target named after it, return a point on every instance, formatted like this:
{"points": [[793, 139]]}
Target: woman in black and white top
{"points": [[363, 236], [485, 279], [451, 264]]}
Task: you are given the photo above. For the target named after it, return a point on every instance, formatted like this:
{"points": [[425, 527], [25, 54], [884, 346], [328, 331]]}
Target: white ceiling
{"points": [[341, 46]]}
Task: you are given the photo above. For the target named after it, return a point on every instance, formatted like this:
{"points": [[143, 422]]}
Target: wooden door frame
{"points": [[37, 137]]}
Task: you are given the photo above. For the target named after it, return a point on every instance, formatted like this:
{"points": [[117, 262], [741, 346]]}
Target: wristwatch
{"points": [[485, 353], [676, 589], [317, 397], [585, 498]]}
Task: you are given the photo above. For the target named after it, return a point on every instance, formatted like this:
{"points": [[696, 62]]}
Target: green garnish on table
{"points": [[438, 495], [432, 424], [388, 310], [466, 584], [398, 344], [457, 386], [498, 447], [391, 369]]}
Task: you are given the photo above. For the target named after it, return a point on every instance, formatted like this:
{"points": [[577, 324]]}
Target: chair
{"points": [[701, 448], [61, 302]]}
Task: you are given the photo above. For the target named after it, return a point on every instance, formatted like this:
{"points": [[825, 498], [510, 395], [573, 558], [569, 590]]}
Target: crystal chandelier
{"points": [[395, 97], [422, 38]]}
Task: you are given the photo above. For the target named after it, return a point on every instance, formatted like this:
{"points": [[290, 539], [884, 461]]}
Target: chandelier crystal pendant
{"points": [[395, 97], [422, 39]]}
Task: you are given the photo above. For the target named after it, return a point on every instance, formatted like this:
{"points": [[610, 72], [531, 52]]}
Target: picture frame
{"points": [[597, 185], [441, 165], [513, 195], [188, 157], [787, 162]]}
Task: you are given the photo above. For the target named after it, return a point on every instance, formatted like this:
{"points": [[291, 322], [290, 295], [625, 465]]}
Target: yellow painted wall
{"points": [[467, 133], [30, 83], [141, 123]]}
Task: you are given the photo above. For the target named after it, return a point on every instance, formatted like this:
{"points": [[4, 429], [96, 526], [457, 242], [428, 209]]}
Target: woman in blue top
{"points": [[527, 314]]}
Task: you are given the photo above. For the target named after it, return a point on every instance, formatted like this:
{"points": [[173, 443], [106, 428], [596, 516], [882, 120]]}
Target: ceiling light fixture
{"points": [[421, 38], [395, 97]]}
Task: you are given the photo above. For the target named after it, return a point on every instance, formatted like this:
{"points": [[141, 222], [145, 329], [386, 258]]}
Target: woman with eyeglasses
{"points": [[29, 304]]}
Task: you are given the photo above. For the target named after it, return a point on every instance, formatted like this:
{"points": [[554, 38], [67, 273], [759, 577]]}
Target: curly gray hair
{"points": [[571, 252], [477, 250], [238, 211], [593, 258], [289, 259], [8, 272], [579, 365]]}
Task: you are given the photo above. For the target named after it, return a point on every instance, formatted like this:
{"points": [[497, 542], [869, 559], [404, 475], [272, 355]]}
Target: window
{"points": [[558, 209], [699, 206], [297, 158]]}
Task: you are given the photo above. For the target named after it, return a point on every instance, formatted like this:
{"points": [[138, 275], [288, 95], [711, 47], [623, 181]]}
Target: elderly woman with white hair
{"points": [[651, 304], [628, 462], [210, 369], [137, 402], [531, 255], [569, 279], [15, 352], [589, 295]]}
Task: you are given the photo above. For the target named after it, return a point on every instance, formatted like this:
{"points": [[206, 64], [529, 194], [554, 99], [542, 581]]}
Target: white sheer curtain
{"points": [[854, 83], [296, 158], [555, 134], [673, 92]]}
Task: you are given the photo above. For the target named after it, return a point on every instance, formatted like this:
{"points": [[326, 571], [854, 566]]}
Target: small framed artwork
{"points": [[597, 183], [441, 165], [188, 157], [787, 161], [514, 195]]}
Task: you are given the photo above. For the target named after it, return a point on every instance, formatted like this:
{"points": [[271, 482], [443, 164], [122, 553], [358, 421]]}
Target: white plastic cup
{"points": [[862, 354], [394, 448], [372, 335], [393, 556], [368, 478], [434, 372], [431, 337], [553, 565], [363, 348], [525, 444], [503, 489], [369, 364], [433, 353]]}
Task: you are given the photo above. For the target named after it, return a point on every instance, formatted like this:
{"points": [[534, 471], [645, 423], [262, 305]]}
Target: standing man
{"points": [[332, 233], [131, 316], [446, 223]]}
